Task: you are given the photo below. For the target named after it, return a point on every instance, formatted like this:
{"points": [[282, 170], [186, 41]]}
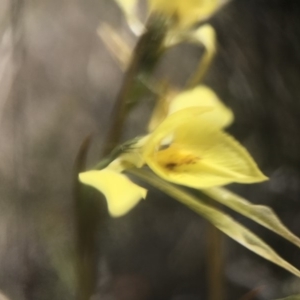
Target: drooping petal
{"points": [[121, 193], [189, 149], [205, 35]]}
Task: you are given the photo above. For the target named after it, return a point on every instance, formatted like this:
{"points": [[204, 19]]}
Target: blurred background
{"points": [[58, 83]]}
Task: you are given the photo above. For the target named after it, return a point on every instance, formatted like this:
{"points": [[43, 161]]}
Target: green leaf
{"points": [[260, 214], [187, 12], [219, 219]]}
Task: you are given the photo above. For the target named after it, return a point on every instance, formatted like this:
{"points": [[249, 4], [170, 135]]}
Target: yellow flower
{"points": [[190, 149], [121, 193], [187, 148], [185, 13]]}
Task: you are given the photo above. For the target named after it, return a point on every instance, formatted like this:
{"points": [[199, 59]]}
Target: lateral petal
{"points": [[121, 193]]}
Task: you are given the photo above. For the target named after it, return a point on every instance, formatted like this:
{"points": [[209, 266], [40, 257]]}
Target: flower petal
{"points": [[205, 35], [121, 193], [203, 96], [187, 12], [197, 153]]}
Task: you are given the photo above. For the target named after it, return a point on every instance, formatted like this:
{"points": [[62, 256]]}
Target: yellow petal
{"points": [[185, 12], [206, 36], [203, 96], [121, 193], [189, 149]]}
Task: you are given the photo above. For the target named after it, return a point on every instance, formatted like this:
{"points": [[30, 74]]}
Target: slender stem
{"points": [[145, 57], [86, 210], [87, 215], [260, 214]]}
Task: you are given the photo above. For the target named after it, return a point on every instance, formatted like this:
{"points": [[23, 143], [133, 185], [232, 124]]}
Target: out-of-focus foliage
{"points": [[223, 222]]}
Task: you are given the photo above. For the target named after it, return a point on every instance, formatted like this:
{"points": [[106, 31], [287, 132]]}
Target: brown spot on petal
{"points": [[171, 165], [172, 156], [188, 160]]}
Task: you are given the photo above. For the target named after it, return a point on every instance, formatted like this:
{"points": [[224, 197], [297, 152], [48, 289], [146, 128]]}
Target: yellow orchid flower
{"points": [[190, 149], [120, 192], [187, 148]]}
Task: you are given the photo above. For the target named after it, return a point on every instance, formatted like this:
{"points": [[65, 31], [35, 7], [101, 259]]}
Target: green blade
{"points": [[219, 219], [260, 214]]}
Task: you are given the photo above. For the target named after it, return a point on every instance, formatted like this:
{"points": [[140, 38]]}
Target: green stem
{"points": [[87, 214], [145, 57], [260, 214]]}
